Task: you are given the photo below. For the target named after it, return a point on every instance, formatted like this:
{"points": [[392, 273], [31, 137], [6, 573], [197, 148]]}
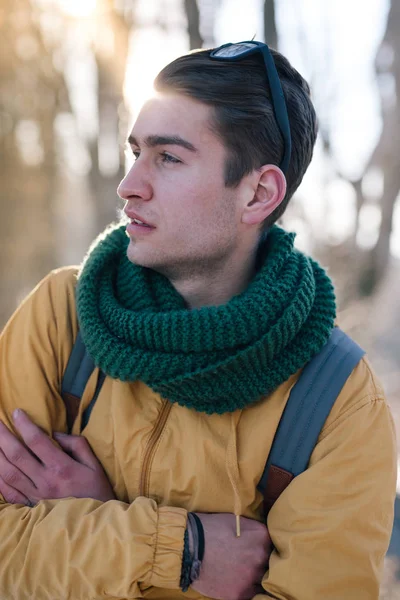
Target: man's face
{"points": [[176, 185]]}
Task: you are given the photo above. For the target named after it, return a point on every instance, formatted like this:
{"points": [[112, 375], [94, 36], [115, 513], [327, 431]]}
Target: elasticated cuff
{"points": [[167, 563]]}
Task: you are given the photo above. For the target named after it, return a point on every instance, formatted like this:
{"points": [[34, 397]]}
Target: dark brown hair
{"points": [[243, 114]]}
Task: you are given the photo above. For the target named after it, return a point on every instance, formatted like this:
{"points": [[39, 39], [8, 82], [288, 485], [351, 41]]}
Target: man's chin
{"points": [[139, 257], [134, 255]]}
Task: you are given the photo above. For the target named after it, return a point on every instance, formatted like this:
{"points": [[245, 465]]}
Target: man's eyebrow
{"points": [[163, 140]]}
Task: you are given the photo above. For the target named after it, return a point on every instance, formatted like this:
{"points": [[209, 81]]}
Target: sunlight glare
{"points": [[140, 73], [78, 8], [150, 50]]}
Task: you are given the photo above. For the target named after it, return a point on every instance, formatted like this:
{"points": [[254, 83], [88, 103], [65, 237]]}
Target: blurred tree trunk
{"points": [[387, 153], [31, 93], [366, 268], [105, 174], [357, 186], [193, 24], [204, 12], [38, 217], [270, 32]]}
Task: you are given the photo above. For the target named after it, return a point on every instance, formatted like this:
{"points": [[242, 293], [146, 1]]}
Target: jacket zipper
{"points": [[151, 448]]}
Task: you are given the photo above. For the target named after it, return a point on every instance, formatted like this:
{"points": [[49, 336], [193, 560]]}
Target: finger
{"points": [[78, 447], [14, 478], [37, 440], [12, 496], [17, 454]]}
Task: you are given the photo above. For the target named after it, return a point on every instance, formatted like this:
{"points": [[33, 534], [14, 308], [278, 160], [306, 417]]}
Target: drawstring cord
{"points": [[232, 467]]}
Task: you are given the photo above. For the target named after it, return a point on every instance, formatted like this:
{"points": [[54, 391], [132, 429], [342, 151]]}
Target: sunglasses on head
{"points": [[233, 52]]}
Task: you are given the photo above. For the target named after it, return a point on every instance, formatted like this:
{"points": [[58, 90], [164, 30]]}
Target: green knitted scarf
{"points": [[214, 359]]}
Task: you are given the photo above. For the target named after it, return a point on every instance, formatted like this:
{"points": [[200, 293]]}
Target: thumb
{"points": [[78, 448]]}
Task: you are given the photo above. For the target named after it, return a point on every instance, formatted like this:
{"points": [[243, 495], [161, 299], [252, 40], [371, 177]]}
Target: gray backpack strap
{"points": [[79, 369], [306, 411]]}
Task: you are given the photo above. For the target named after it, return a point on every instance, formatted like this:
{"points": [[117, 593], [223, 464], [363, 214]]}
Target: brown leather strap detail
{"points": [[277, 482], [72, 405]]}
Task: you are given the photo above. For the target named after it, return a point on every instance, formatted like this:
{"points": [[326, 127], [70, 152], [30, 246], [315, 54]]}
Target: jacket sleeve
{"points": [[331, 527], [71, 548]]}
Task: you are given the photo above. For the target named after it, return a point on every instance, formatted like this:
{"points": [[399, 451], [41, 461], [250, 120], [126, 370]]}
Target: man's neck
{"points": [[216, 286]]}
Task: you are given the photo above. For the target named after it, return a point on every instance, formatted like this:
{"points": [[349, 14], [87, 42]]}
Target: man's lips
{"points": [[134, 230], [135, 217]]}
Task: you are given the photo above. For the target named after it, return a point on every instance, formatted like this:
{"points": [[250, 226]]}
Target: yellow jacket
{"points": [[330, 527]]}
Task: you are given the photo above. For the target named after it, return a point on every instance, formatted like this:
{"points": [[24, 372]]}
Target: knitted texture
{"points": [[214, 359]]}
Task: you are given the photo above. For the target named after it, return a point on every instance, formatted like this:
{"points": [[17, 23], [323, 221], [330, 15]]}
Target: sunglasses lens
{"points": [[234, 50]]}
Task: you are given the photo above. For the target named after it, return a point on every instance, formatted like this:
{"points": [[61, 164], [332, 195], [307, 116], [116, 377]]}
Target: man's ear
{"points": [[270, 190]]}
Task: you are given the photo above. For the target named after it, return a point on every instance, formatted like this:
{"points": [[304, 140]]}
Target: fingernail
{"points": [[17, 413], [60, 434]]}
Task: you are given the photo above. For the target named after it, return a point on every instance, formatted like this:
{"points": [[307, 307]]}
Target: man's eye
{"points": [[168, 158], [136, 154]]}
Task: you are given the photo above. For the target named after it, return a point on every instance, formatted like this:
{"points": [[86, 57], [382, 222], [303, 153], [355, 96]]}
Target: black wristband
{"points": [[200, 533], [191, 560], [187, 561]]}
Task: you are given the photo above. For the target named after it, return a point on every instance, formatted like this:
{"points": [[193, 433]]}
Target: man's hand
{"points": [[233, 567], [39, 470]]}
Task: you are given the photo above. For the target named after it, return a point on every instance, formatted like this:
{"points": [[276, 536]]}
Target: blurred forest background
{"points": [[73, 74]]}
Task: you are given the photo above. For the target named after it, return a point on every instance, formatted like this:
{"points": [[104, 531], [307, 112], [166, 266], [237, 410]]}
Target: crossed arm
{"points": [[35, 469]]}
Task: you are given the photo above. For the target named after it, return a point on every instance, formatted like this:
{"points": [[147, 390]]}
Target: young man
{"points": [[202, 315]]}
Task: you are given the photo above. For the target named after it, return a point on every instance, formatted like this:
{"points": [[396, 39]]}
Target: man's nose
{"points": [[135, 184]]}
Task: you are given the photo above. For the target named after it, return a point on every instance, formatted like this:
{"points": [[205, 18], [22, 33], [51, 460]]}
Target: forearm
{"points": [[82, 548]]}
